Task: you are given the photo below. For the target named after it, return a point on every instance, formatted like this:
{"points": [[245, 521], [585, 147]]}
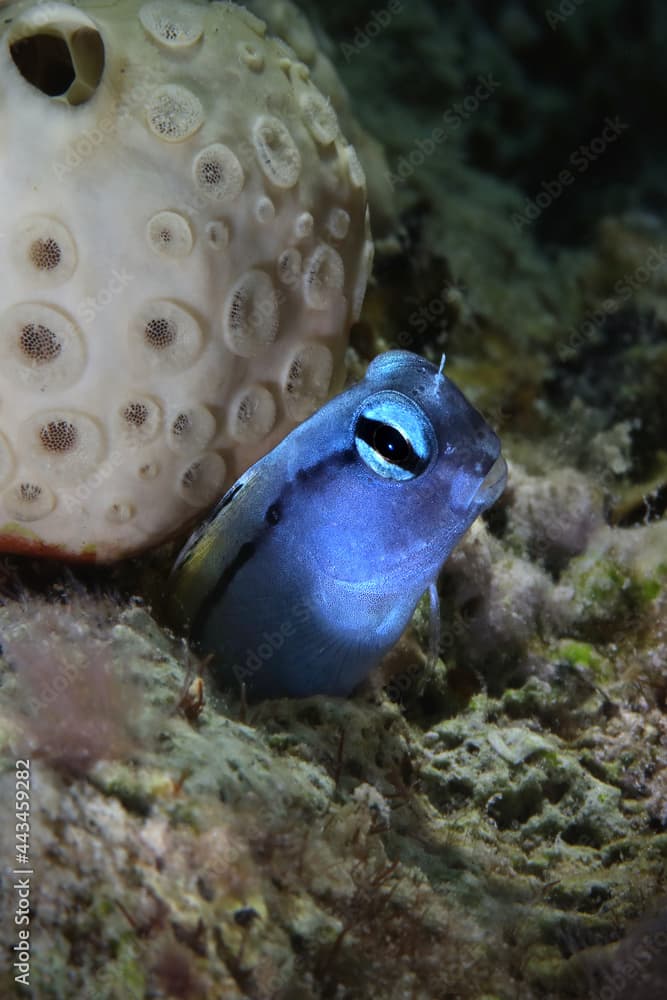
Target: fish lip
{"points": [[492, 486]]}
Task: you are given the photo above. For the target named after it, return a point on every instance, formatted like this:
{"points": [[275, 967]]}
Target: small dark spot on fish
{"points": [[273, 514], [245, 915], [214, 596]]}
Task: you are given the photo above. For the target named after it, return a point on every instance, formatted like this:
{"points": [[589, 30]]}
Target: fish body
{"points": [[312, 564]]}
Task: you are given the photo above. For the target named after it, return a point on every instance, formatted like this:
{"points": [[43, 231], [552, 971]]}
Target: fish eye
{"points": [[393, 436]]}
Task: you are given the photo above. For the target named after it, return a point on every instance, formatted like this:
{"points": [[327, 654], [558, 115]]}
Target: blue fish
{"points": [[311, 566]]}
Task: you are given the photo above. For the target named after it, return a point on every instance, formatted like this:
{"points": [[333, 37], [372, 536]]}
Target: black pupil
{"points": [[387, 442]]}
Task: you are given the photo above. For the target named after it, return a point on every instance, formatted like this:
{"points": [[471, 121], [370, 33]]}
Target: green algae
{"points": [[580, 653]]}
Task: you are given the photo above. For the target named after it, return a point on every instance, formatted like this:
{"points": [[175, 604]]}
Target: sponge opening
{"points": [[64, 62]]}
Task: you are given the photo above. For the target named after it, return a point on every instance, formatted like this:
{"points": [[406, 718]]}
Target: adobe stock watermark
{"points": [[75, 499], [452, 120], [428, 314], [270, 643], [88, 308], [563, 13], [54, 687], [624, 288], [377, 22], [84, 145], [578, 163], [23, 872], [633, 967]]}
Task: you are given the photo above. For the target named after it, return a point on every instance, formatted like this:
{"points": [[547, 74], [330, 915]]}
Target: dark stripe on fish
{"points": [[214, 595], [248, 549]]}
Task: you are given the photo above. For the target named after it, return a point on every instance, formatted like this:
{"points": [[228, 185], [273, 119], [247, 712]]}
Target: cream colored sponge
{"points": [[184, 246]]}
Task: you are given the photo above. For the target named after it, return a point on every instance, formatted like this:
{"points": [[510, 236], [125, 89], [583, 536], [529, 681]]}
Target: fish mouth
{"points": [[492, 486]]}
